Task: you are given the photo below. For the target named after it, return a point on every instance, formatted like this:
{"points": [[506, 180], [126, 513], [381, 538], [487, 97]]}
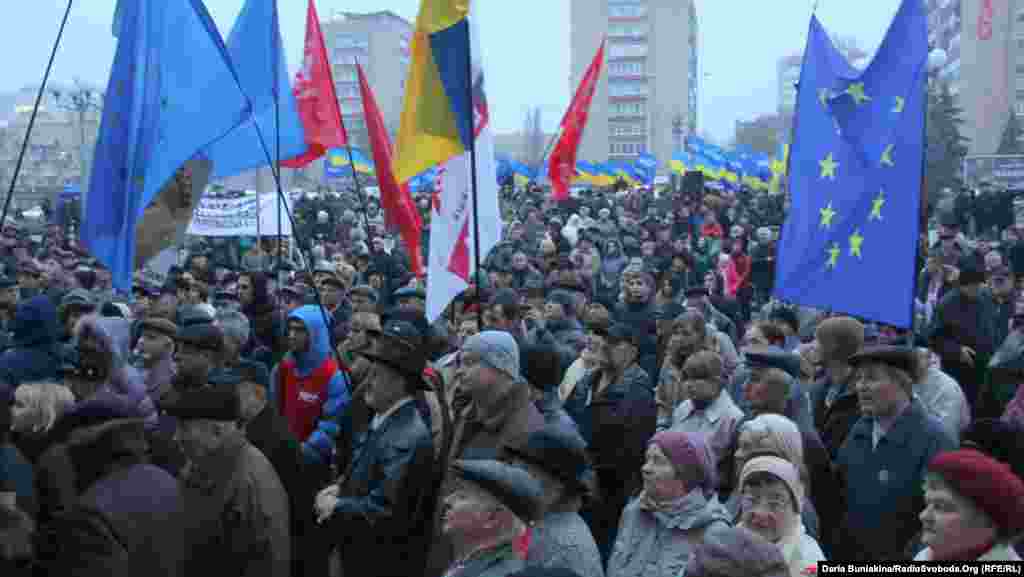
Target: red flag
{"points": [[316, 98], [399, 210], [562, 165], [985, 21]]}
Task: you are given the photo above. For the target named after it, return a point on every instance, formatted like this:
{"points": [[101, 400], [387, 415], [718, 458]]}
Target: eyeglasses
{"points": [[771, 504]]}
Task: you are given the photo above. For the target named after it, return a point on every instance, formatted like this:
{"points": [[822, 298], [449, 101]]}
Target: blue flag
{"points": [[255, 49], [850, 239], [171, 93]]}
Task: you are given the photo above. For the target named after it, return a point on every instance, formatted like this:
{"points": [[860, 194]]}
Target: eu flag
{"points": [[171, 93], [254, 46], [850, 239]]}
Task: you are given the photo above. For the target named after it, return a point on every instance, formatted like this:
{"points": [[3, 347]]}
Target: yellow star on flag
{"points": [[855, 241], [828, 167], [833, 256], [887, 156], [856, 90], [876, 206], [823, 96], [898, 107], [337, 160], [827, 214]]}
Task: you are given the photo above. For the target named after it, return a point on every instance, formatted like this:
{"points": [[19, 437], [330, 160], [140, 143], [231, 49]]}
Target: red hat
{"points": [[989, 483]]}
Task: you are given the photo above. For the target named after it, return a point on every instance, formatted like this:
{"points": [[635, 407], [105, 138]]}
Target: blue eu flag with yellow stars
{"points": [[849, 243]]}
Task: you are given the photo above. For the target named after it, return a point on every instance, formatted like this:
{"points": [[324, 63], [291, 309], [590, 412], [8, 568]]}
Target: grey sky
{"points": [[525, 46]]}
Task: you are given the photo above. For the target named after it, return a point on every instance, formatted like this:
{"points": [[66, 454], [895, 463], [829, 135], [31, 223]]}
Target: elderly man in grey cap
{"points": [[492, 411]]}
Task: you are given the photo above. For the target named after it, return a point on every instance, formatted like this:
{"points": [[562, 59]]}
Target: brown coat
{"points": [[483, 433], [238, 514]]}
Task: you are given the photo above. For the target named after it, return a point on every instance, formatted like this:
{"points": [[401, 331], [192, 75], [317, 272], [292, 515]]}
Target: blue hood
{"points": [[35, 323], [319, 340]]}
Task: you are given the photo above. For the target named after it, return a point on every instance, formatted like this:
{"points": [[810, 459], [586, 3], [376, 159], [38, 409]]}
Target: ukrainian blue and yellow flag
{"points": [[681, 162], [337, 164], [436, 121]]}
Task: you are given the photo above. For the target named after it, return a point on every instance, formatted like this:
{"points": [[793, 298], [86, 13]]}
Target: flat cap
{"points": [[513, 487], [773, 357], [903, 358], [160, 325], [214, 404], [203, 335]]}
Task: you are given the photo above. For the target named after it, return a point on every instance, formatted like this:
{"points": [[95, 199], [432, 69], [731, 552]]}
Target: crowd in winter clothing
{"points": [[616, 395]]}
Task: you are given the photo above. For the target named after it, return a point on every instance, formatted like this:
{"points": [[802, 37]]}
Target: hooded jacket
{"points": [[310, 390], [34, 355], [124, 380]]}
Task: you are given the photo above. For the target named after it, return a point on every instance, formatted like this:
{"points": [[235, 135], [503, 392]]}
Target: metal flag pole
{"points": [[283, 204], [32, 119], [360, 191], [276, 167], [472, 172]]}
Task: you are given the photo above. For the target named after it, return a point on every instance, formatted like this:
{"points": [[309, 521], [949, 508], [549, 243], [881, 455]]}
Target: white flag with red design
{"points": [[451, 260]]}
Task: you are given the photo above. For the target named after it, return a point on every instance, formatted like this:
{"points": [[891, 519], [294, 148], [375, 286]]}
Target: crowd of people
{"points": [[616, 394]]}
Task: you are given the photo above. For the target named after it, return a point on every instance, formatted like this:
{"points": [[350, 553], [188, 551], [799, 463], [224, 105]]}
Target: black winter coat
{"points": [[383, 518]]}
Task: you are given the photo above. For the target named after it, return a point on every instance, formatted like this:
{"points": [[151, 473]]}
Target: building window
{"points": [[626, 10], [627, 129], [630, 30], [631, 50], [347, 90], [356, 41], [618, 87], [629, 68], [627, 108]]}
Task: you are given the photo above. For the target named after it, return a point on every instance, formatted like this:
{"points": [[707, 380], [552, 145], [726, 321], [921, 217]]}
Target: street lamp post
{"points": [[677, 133], [80, 102]]}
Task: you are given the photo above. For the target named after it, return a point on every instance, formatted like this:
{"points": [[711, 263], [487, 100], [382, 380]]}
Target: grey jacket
{"points": [[562, 540], [658, 543]]}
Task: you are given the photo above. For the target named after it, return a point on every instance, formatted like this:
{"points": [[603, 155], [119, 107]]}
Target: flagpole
{"points": [[283, 204], [472, 173], [276, 167], [32, 121], [361, 192], [359, 187]]}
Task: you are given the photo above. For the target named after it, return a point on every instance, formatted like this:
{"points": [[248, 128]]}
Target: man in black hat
{"points": [[338, 308], [379, 511], [613, 406], [237, 507], [491, 508], [963, 333], [198, 353], [557, 457], [882, 463]]}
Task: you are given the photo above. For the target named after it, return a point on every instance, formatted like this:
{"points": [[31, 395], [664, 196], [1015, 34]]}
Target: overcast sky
{"points": [[525, 46]]}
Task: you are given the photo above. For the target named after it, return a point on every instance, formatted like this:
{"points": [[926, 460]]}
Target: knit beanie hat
{"points": [[497, 349], [781, 469], [990, 484], [736, 552], [689, 452], [777, 434]]}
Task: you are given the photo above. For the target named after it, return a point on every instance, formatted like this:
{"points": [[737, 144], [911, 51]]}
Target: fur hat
{"points": [[839, 337]]}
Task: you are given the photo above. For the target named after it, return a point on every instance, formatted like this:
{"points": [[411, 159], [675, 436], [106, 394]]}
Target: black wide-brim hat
{"points": [[398, 345]]}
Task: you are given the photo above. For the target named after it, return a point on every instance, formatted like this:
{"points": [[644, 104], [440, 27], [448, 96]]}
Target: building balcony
{"points": [[627, 98], [629, 76]]}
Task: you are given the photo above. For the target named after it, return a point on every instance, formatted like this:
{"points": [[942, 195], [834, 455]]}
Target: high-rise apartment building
{"points": [[379, 41], [983, 41], [788, 72], [649, 88]]}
